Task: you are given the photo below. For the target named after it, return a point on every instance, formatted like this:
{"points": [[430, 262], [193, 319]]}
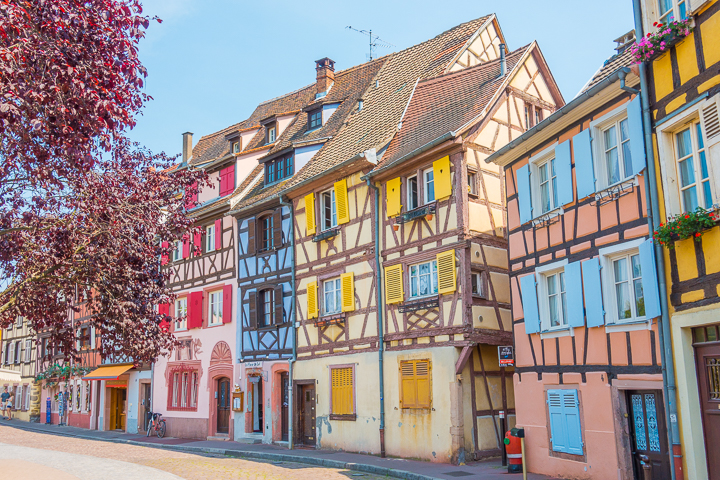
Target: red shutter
{"points": [[227, 180], [218, 234], [195, 310], [186, 246], [197, 241], [164, 258], [164, 309], [227, 303]]}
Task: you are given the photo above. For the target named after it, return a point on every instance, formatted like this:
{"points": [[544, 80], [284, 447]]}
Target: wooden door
{"points": [[121, 402], [144, 406], [223, 406], [285, 407], [649, 435], [708, 371], [112, 423], [307, 415]]}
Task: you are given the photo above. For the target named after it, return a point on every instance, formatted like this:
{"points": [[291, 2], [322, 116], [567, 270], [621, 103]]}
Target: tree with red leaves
{"points": [[85, 214]]}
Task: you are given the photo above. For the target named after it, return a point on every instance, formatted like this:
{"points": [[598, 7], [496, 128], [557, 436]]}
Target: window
{"points": [[216, 308], [210, 238], [266, 308], [176, 389], [266, 223], [412, 193], [692, 165], [332, 295], [528, 117], [177, 252], [19, 321], [477, 284], [548, 186], [194, 385], [556, 298], [9, 352], [235, 147], [670, 10], [18, 351], [628, 287], [279, 169], [85, 337], [28, 350], [329, 210], [184, 350], [423, 279], [342, 401], [564, 416], [538, 115], [44, 351], [472, 183], [181, 314], [184, 389], [415, 389], [315, 119], [271, 134], [616, 145], [88, 395], [429, 185]]}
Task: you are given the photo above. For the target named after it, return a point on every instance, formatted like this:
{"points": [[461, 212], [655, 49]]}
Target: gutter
{"points": [[291, 362], [666, 353]]}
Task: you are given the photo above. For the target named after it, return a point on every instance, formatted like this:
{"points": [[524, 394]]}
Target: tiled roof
{"points": [[619, 60], [446, 103]]}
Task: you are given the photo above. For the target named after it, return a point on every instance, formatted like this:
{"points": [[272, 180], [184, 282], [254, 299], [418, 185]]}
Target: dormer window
{"points": [[315, 119], [279, 169], [271, 133], [235, 147]]}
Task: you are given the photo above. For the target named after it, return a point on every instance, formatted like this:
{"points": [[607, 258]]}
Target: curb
{"points": [[280, 457]]}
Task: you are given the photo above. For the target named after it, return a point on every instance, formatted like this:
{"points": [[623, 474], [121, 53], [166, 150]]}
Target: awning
{"points": [[9, 376], [108, 372]]}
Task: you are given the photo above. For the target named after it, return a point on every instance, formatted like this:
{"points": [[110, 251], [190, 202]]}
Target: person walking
{"points": [[9, 405], [4, 397]]}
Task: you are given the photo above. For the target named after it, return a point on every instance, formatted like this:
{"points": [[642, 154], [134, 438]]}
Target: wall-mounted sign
{"points": [[238, 401], [116, 383], [505, 356], [253, 364]]}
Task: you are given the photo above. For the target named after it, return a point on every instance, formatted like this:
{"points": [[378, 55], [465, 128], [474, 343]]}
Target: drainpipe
{"points": [[381, 342], [291, 362], [666, 354]]}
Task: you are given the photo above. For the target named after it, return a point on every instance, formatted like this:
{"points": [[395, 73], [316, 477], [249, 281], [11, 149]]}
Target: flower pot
{"points": [[429, 217], [396, 227]]}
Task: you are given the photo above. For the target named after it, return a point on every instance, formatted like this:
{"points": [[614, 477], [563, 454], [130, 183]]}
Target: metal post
{"points": [[522, 452], [503, 428]]}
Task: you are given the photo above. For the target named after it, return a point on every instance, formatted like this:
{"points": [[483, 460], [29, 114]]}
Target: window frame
{"points": [[480, 278], [210, 238], [18, 352], [212, 294], [323, 210], [337, 290], [433, 279], [696, 138], [343, 416], [598, 128], [271, 133], [183, 388], [675, 11], [262, 304], [177, 253], [472, 177], [425, 184], [412, 205], [28, 350], [541, 275], [313, 115], [403, 403], [536, 162], [265, 237], [607, 256], [180, 325], [235, 146]]}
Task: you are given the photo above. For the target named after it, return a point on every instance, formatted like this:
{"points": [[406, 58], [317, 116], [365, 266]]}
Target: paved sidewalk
{"points": [[398, 468]]}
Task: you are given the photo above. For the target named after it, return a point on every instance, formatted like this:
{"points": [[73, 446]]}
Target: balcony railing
{"points": [[416, 213]]}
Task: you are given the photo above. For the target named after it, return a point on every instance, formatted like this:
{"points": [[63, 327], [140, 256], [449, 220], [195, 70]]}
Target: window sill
{"points": [[211, 325], [556, 333], [629, 326], [616, 190], [332, 319], [415, 213], [326, 234], [347, 418]]}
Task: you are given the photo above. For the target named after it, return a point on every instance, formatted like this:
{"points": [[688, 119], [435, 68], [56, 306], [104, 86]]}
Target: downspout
{"points": [[666, 354], [291, 362], [381, 342]]}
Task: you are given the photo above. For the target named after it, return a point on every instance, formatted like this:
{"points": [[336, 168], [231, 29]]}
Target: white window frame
{"points": [[215, 304], [177, 251], [410, 204], [480, 282], [433, 279], [28, 350], [332, 287], [472, 176], [272, 134], [607, 256], [674, 11], [236, 146], [181, 311], [695, 155], [19, 321], [425, 183], [210, 238], [535, 163], [541, 275], [598, 128], [333, 209], [175, 387], [668, 161]]}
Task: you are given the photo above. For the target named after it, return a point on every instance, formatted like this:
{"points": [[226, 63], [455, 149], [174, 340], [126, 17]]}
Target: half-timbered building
{"points": [[17, 368], [584, 289]]}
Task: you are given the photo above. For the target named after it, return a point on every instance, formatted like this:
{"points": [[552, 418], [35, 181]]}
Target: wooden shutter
{"points": [[558, 435], [446, 271], [530, 304], [416, 388], [227, 180], [164, 257], [197, 243], [252, 310], [310, 213], [227, 304], [277, 228], [422, 379], [637, 137], [523, 194], [594, 310], [649, 279], [218, 234], [342, 391], [563, 168], [565, 427], [341, 202], [442, 178], [195, 310], [186, 246], [394, 284], [164, 309], [251, 236], [710, 121], [347, 285], [584, 170], [392, 197], [278, 304], [574, 295], [312, 300]]}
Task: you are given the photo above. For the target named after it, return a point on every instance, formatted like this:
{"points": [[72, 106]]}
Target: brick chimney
{"points": [[325, 75], [187, 147]]}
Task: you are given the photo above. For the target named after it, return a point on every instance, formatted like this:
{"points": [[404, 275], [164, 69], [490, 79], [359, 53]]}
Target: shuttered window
{"points": [[310, 213], [446, 272], [341, 202], [393, 284], [443, 180], [392, 197], [312, 300], [342, 390], [415, 391], [565, 430], [347, 281]]}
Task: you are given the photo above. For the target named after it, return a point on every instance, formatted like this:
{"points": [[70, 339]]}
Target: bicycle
{"points": [[157, 425]]}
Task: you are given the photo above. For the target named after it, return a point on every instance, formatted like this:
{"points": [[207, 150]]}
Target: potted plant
{"points": [[686, 225], [656, 43]]}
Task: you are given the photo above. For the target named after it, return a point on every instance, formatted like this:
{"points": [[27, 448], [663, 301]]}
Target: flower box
{"points": [[686, 225], [659, 42]]}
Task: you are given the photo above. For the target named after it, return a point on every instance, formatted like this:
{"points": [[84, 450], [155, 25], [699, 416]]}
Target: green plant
{"points": [[660, 40], [686, 225]]}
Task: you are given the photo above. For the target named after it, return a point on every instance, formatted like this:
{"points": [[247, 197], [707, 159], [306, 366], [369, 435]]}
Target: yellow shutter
{"points": [[341, 202], [441, 175], [342, 391], [409, 390], [392, 197], [312, 300], [310, 213], [422, 379], [347, 284], [393, 284], [446, 271]]}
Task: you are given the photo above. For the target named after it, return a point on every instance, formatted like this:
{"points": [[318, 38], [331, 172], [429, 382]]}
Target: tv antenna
{"points": [[373, 41]]}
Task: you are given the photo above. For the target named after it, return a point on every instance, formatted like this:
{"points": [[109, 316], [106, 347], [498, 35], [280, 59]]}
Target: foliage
{"points": [[56, 373], [660, 40], [686, 225]]}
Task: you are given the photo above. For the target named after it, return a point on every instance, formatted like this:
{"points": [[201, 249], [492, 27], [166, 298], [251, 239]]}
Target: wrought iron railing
{"points": [[326, 234], [416, 213], [422, 304]]}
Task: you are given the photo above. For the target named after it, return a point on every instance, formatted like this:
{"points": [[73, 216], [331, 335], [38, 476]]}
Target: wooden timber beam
{"points": [[464, 357]]}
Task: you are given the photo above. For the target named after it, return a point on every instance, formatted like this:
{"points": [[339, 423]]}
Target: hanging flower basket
{"points": [[686, 225], [657, 43]]}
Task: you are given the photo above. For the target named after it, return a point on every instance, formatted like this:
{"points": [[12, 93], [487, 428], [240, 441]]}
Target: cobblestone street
{"points": [[22, 452]]}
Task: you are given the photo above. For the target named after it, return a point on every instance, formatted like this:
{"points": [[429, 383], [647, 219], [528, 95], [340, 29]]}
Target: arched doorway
{"points": [[223, 406], [220, 385]]}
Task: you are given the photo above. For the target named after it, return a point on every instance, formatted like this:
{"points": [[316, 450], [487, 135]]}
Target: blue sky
{"points": [[211, 62]]}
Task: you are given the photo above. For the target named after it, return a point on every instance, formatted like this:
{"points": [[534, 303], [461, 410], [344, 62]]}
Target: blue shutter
{"points": [[558, 433], [523, 189], [530, 304], [571, 413], [649, 279], [584, 171], [563, 170], [593, 293], [574, 295], [637, 139]]}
